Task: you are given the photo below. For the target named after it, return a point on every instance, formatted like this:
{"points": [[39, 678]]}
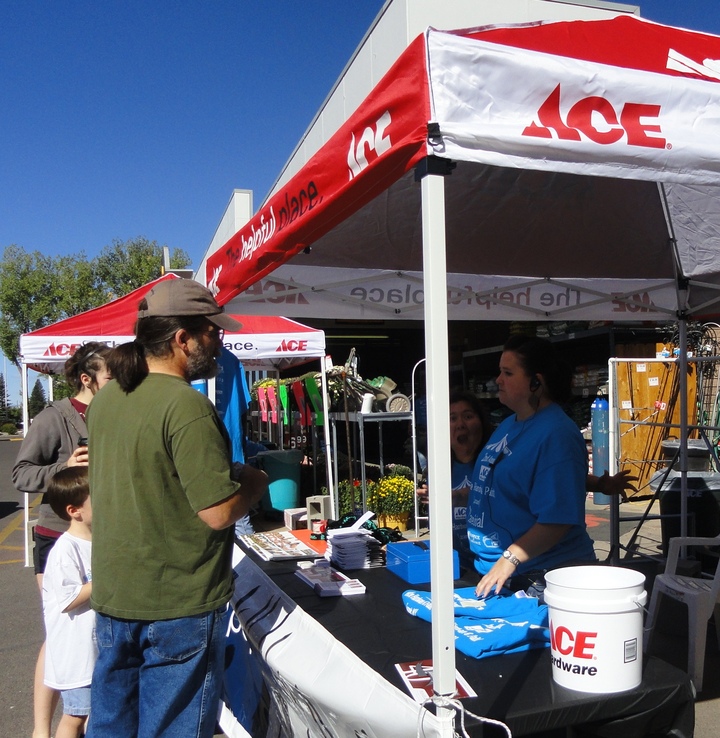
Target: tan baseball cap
{"points": [[176, 297]]}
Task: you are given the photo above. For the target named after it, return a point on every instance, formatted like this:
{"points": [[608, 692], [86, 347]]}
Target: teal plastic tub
{"points": [[283, 470]]}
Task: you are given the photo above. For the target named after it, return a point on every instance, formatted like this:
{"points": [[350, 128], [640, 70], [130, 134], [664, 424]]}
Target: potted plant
{"points": [[350, 501], [393, 498]]}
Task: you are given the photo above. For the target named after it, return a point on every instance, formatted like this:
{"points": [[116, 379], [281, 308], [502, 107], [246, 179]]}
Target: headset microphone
{"points": [[534, 384]]}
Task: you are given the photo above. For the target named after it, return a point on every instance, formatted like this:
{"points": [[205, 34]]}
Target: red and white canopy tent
{"points": [[265, 343], [550, 170]]}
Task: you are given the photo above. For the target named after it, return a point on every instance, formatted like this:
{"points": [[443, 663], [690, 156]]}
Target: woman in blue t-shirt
{"points": [[469, 431], [526, 511]]}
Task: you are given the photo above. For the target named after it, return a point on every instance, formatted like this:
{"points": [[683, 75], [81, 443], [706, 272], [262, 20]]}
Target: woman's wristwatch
{"points": [[510, 556]]}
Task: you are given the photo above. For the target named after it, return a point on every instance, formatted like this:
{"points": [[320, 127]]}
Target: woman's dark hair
{"points": [[153, 337], [460, 395], [89, 359], [537, 356], [69, 486]]}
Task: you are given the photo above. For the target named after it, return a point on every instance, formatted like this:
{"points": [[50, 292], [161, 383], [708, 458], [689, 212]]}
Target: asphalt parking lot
{"points": [[21, 634]]}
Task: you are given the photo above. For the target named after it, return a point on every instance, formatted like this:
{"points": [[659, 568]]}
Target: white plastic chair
{"points": [[701, 596]]}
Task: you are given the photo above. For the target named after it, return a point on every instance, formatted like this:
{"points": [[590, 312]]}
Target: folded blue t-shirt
{"points": [[498, 624]]}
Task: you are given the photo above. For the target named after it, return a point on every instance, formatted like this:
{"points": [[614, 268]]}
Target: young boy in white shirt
{"points": [[69, 621]]}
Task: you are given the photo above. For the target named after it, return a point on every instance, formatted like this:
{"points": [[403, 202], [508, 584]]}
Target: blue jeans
{"points": [[158, 678]]}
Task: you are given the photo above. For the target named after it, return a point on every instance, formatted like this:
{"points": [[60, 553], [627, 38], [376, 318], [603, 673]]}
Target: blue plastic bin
{"points": [[410, 560], [283, 470]]}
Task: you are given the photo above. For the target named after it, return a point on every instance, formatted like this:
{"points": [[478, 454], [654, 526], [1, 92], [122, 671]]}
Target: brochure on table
{"points": [[277, 545], [327, 581]]}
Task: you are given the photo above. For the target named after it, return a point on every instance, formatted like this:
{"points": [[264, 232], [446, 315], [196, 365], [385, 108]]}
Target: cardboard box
{"points": [[296, 518], [410, 560]]}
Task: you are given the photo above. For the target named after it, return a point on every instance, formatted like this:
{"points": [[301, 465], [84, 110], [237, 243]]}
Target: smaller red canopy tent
{"points": [[263, 344]]}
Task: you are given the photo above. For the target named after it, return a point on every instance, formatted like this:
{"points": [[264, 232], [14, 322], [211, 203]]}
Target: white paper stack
{"points": [[353, 549]]}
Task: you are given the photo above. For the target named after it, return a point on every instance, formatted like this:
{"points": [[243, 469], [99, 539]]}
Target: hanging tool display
{"points": [[285, 404], [303, 407]]}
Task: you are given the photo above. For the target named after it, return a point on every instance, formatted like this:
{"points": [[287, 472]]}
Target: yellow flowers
{"points": [[391, 495]]}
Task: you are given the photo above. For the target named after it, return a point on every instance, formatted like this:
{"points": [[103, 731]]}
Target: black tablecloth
{"points": [[517, 689]]}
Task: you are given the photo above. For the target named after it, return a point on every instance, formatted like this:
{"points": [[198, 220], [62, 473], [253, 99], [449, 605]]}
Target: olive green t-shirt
{"points": [[158, 455]]}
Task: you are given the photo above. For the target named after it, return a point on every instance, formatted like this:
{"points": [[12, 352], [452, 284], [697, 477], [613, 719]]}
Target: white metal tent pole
{"points": [[683, 286], [280, 413], [413, 423], [329, 450], [24, 390], [613, 442], [682, 390], [26, 425], [438, 423]]}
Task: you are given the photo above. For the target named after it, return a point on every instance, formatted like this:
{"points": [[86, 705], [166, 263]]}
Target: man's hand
{"points": [[253, 482], [253, 485]]}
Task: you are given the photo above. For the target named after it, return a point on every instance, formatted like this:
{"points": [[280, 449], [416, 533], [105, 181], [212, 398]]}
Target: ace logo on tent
{"points": [[596, 118]]}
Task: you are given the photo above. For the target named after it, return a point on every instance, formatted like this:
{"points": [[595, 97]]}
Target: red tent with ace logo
{"points": [[606, 147], [553, 170]]}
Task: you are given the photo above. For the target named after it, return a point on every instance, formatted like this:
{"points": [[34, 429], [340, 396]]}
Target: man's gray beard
{"points": [[202, 364]]}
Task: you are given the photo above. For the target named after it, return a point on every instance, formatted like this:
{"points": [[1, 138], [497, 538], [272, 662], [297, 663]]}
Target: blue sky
{"points": [[135, 117], [127, 118]]}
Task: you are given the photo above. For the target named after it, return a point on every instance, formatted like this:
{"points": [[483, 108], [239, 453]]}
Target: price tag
{"points": [[626, 405], [654, 381], [299, 441], [641, 368]]}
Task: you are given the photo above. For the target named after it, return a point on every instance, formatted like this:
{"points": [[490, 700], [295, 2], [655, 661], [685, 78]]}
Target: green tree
{"points": [[14, 415], [9, 415], [125, 266], [61, 388], [38, 290], [37, 401]]}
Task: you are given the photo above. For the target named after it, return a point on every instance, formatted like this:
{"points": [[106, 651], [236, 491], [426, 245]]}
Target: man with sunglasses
{"points": [[165, 498]]}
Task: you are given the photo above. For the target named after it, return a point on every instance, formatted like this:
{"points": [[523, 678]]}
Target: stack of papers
{"points": [[328, 582], [349, 548]]}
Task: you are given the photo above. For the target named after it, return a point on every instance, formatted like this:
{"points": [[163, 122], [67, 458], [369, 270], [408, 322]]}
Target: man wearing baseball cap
{"points": [[165, 499]]}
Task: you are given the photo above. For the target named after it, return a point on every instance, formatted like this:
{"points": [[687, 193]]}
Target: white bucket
{"points": [[367, 403], [596, 627]]}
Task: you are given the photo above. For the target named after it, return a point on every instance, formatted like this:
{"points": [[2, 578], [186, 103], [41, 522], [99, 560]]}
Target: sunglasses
{"points": [[218, 333]]}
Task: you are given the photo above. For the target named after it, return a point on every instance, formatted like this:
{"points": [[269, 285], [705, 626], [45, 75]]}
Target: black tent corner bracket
{"points": [[433, 165]]}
